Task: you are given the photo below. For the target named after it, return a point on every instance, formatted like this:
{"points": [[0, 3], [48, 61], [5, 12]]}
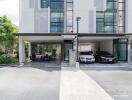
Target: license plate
{"points": [[110, 60]]}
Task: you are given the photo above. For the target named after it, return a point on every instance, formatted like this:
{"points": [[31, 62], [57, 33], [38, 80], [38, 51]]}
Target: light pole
{"points": [[77, 19]]}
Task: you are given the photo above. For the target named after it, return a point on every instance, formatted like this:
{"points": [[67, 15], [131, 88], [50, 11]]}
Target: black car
{"points": [[105, 57]]}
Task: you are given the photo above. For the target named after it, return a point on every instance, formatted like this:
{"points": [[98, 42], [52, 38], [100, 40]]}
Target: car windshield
{"points": [[85, 53], [103, 53]]}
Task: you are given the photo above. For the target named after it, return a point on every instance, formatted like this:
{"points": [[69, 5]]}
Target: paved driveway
{"points": [[29, 83], [40, 81], [116, 80]]}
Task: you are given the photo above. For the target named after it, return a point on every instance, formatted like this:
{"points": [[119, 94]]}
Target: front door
{"points": [[123, 52], [67, 46], [120, 49]]}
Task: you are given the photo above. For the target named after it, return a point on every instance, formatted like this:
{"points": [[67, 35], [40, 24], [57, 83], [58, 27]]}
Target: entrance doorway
{"points": [[67, 46], [43, 52], [123, 52], [121, 49]]}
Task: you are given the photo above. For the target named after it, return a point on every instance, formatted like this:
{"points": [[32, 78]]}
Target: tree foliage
{"points": [[8, 40]]}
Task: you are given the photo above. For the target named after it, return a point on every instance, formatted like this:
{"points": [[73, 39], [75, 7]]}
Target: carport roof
{"points": [[80, 34]]}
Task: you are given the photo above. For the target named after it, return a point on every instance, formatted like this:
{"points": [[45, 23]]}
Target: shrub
{"points": [[4, 59], [1, 53]]}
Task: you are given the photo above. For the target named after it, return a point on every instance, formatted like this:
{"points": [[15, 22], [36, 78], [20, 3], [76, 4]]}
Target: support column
{"points": [[76, 49], [21, 50], [129, 49], [29, 51]]}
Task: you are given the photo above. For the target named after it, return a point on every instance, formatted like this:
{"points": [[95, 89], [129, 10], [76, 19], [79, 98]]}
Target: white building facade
{"points": [[50, 27]]}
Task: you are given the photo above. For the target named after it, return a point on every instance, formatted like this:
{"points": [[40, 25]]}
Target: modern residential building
{"points": [[51, 27]]}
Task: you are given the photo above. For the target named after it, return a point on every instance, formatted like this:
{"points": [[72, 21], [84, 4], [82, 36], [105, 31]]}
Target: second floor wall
{"points": [[45, 16]]}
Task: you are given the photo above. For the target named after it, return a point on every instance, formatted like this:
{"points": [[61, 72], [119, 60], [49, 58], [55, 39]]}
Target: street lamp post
{"points": [[77, 19]]}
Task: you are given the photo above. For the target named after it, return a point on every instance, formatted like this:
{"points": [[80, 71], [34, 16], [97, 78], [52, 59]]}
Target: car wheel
{"points": [[80, 62], [115, 61]]}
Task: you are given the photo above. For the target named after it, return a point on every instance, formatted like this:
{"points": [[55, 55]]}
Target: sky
{"points": [[11, 9]]}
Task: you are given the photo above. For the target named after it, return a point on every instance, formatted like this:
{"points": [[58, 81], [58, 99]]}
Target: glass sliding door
{"points": [[121, 49], [67, 46], [123, 52], [45, 51]]}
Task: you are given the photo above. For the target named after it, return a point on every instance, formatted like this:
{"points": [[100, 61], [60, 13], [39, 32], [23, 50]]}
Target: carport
{"points": [[117, 44], [96, 44], [63, 40], [94, 41]]}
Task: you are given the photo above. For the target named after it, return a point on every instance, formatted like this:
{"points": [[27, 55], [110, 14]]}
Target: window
{"points": [[109, 17], [69, 16], [107, 21], [100, 27], [57, 5], [44, 3], [69, 6], [57, 16], [100, 15], [57, 27], [111, 4], [69, 0], [109, 29], [57, 22], [121, 15]]}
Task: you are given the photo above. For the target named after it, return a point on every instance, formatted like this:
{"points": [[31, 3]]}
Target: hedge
{"points": [[4, 59]]}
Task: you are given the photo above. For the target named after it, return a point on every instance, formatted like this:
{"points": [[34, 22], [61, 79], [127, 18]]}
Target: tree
{"points": [[7, 39]]}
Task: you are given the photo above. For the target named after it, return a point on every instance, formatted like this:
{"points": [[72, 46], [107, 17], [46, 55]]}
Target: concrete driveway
{"points": [[115, 80], [40, 81], [29, 83]]}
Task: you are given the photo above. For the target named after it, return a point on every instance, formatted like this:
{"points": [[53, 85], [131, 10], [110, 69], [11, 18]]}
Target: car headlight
{"points": [[103, 57], [93, 58], [82, 58]]}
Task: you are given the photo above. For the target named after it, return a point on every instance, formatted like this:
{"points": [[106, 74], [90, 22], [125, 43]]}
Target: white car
{"points": [[86, 57]]}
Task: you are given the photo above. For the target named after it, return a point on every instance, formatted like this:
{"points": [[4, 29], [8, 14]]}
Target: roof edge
{"points": [[80, 34]]}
